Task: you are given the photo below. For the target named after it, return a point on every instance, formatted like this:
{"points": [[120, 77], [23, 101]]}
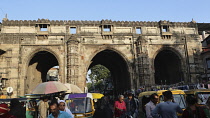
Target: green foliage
{"points": [[98, 74], [90, 87], [99, 86]]}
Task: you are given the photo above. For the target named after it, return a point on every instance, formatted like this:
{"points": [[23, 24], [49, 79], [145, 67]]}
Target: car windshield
{"points": [[79, 105], [203, 97], [178, 98]]}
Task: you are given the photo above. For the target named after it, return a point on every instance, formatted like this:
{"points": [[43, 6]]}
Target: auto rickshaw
{"points": [[82, 104], [7, 101], [178, 95], [31, 106], [202, 95], [23, 101]]}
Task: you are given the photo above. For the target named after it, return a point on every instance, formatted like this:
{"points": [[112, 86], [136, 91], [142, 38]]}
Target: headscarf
{"points": [[66, 108]]}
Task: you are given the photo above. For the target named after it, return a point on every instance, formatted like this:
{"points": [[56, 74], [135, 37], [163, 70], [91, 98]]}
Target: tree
{"points": [[98, 74], [90, 87]]}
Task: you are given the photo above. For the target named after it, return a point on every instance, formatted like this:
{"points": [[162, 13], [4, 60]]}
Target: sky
{"points": [[115, 10]]}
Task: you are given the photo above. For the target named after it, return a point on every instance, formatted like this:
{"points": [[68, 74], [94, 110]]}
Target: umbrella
{"points": [[49, 87], [73, 88]]}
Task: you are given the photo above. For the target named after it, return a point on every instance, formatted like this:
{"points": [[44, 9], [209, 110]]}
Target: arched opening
{"points": [[53, 74], [41, 63], [2, 52], [3, 78], [99, 79], [167, 68], [118, 67]]}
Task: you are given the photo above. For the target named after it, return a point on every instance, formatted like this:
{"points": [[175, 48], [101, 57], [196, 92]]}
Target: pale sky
{"points": [[122, 10]]}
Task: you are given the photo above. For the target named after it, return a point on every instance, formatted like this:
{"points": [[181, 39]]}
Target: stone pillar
{"points": [[72, 60]]}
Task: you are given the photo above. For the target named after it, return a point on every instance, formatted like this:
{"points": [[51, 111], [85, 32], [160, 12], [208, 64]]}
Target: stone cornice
{"points": [[95, 23]]}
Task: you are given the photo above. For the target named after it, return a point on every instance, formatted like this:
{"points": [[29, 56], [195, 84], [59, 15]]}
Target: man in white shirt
{"points": [[151, 105]]}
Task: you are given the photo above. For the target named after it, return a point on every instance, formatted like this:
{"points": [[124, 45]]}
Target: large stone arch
{"points": [[175, 59], [27, 60], [95, 59], [31, 54], [168, 48], [107, 48]]}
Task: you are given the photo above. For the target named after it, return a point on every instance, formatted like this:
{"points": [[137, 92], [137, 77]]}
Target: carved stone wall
{"points": [[75, 44]]}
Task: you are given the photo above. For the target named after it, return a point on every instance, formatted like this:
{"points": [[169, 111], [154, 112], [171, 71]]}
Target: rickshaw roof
{"points": [[147, 93], [8, 100], [30, 97], [97, 95], [78, 95], [83, 95], [159, 92], [195, 91]]}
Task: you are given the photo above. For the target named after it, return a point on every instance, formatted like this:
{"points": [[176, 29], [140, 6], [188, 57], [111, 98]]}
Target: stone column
{"points": [[72, 60]]}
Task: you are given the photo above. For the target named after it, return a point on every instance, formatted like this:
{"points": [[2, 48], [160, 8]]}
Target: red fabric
{"points": [[119, 105], [3, 108], [4, 111]]}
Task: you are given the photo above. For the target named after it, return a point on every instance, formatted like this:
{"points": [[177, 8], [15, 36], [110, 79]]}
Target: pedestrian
{"points": [[103, 109], [35, 109], [63, 107], [4, 113], [17, 109], [192, 110], [150, 106], [43, 107], [168, 108], [56, 113], [119, 107], [131, 105]]}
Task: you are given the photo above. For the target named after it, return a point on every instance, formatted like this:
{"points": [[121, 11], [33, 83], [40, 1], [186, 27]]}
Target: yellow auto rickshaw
{"points": [[202, 95], [82, 104], [178, 95]]}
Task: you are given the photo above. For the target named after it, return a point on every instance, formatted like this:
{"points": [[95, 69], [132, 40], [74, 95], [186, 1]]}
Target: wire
{"points": [[2, 11]]}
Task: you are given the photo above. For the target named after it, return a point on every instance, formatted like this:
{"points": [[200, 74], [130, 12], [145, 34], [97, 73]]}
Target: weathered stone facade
{"points": [[205, 54], [128, 49]]}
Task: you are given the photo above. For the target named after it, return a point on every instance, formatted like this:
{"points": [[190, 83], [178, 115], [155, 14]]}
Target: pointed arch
{"points": [[118, 66], [37, 65], [168, 66]]}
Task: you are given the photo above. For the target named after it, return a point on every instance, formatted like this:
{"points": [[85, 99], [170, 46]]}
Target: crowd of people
{"points": [[129, 107], [123, 107], [54, 109], [169, 108]]}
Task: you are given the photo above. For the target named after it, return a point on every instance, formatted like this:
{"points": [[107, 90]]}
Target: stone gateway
{"points": [[137, 53]]}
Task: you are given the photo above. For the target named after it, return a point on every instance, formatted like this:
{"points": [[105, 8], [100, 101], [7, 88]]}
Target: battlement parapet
{"points": [[96, 23]]}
